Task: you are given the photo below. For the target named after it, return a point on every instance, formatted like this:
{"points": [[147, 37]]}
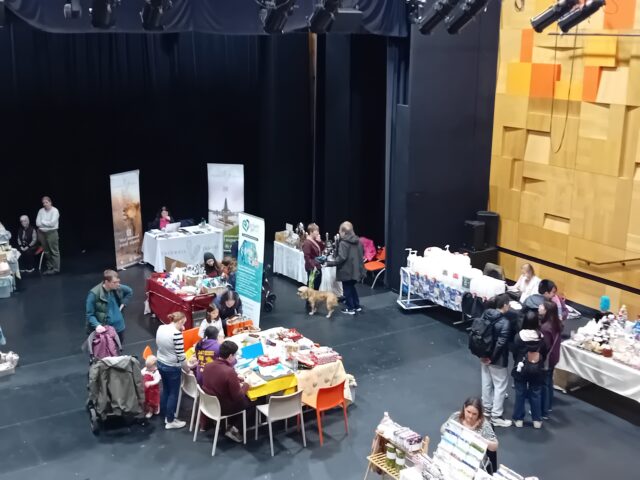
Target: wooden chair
{"points": [[326, 399], [377, 264]]}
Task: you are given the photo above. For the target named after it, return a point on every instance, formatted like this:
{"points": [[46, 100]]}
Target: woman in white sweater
{"points": [[170, 343], [527, 284]]}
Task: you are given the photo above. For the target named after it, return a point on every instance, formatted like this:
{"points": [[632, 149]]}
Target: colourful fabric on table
{"points": [[321, 376], [287, 384]]}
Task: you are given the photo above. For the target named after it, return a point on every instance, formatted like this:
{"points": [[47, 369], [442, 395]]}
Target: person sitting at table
{"points": [[212, 267], [211, 320], [219, 378], [527, 284], [163, 218], [471, 417], [229, 268], [206, 350], [27, 243]]}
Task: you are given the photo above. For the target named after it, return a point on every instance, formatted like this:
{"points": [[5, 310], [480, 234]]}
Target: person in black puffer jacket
{"points": [[528, 371]]}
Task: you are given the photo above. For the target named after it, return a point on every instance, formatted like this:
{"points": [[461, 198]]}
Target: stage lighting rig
{"points": [[274, 14], [577, 15], [152, 13], [462, 15], [72, 9], [551, 14], [103, 13], [323, 15]]}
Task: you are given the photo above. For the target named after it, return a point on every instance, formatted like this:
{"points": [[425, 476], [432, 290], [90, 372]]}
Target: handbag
{"points": [[312, 278]]}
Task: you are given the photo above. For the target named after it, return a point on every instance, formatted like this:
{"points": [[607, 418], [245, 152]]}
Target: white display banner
{"points": [[127, 219], [250, 265], [226, 199]]}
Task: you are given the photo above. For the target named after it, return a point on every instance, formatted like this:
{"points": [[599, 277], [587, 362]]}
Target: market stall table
{"points": [[289, 261], [604, 372], [188, 247], [163, 301]]}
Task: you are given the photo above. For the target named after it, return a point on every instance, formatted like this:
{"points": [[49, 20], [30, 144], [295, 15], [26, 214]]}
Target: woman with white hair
{"points": [[27, 241]]}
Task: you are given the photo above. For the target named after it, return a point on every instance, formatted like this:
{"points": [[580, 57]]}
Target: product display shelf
{"points": [[380, 460], [408, 299]]}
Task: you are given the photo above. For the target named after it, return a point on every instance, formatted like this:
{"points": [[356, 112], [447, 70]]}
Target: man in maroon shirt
{"points": [[219, 378]]}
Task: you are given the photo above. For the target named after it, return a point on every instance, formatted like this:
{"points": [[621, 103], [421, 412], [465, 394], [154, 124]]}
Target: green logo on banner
{"points": [[245, 224]]}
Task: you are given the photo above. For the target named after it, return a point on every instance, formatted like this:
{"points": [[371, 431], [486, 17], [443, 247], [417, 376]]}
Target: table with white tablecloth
{"points": [[188, 247], [289, 261], [604, 372]]}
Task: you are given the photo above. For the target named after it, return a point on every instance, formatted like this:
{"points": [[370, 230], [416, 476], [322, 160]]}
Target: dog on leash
{"points": [[315, 297]]}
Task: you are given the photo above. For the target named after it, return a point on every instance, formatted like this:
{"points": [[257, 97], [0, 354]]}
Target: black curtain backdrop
{"points": [[351, 134], [78, 107], [380, 17]]}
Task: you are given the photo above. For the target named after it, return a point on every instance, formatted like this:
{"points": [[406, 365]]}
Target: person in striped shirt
{"points": [[171, 356]]}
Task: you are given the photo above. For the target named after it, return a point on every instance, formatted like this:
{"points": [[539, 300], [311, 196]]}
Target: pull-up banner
{"points": [[127, 219], [250, 265], [226, 199]]}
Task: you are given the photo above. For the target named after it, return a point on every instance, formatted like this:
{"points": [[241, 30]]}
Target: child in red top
{"points": [[151, 379]]}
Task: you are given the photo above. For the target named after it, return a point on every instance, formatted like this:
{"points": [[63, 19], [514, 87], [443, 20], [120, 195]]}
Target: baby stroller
{"points": [[268, 297], [115, 382]]}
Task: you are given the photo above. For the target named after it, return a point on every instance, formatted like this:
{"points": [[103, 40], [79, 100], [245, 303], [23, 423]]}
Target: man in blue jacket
{"points": [[495, 374], [105, 303]]}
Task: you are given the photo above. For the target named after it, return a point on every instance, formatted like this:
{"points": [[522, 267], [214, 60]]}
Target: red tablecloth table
{"points": [[163, 301]]}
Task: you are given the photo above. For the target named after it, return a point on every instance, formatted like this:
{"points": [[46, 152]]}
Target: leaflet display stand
{"points": [[408, 298]]}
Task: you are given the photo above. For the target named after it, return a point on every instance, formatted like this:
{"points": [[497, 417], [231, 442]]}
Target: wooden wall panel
{"points": [[566, 150]]}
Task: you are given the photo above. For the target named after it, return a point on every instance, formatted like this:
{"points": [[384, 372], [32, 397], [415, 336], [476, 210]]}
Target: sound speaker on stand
{"points": [[492, 222], [474, 232]]}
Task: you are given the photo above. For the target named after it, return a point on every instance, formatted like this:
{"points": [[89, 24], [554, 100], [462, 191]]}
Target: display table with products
{"points": [[287, 375], [602, 371], [163, 301], [187, 245], [289, 261]]}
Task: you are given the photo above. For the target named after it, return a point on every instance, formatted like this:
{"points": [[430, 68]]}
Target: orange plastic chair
{"points": [[191, 337], [377, 265], [328, 398], [147, 352]]}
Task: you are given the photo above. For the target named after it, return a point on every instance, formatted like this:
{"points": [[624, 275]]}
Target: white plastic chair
{"points": [[188, 386], [281, 408], [209, 405]]}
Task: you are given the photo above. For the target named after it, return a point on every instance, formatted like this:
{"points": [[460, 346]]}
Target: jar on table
{"points": [[400, 459], [391, 455]]}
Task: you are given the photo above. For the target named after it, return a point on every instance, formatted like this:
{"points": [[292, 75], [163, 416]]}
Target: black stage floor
{"points": [[416, 366]]}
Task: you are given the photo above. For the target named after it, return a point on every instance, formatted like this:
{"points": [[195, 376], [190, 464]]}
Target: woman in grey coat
{"points": [[349, 263]]}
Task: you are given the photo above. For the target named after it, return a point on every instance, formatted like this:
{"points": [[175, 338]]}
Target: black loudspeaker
{"points": [[474, 235], [480, 258], [491, 221]]}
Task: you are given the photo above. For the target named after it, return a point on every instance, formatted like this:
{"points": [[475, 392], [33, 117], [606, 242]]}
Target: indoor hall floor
{"points": [[416, 366]]}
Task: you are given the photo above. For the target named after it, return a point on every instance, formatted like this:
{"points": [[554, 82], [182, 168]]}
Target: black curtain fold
{"points": [[380, 17], [77, 108]]}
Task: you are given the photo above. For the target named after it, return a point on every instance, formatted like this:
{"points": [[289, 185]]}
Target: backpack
{"points": [[104, 344], [481, 337]]}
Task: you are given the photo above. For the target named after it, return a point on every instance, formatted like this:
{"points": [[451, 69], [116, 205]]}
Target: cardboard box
{"points": [[282, 236]]}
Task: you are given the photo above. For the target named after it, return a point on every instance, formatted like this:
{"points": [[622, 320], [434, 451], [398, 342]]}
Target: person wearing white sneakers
{"points": [[528, 372], [171, 356]]}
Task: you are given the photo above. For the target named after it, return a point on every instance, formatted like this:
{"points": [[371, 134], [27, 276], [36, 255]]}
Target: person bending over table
{"points": [[163, 218], [212, 267], [229, 267], [230, 306], [471, 417], [219, 378]]}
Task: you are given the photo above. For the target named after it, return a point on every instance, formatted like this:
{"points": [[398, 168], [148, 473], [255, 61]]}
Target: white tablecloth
{"points": [[602, 371], [289, 261], [187, 248]]}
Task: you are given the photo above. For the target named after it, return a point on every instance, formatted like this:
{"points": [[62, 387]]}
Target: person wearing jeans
{"points": [[529, 353], [171, 355], [551, 328], [494, 372], [349, 263]]}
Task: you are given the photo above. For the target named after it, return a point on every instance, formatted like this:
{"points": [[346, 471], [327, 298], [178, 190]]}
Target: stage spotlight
{"points": [[551, 14], [323, 15], [463, 15], [274, 14], [436, 14], [103, 13], [72, 9], [577, 15], [152, 12]]}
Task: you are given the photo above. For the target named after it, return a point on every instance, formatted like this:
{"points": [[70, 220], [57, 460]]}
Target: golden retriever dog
{"points": [[315, 297]]}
